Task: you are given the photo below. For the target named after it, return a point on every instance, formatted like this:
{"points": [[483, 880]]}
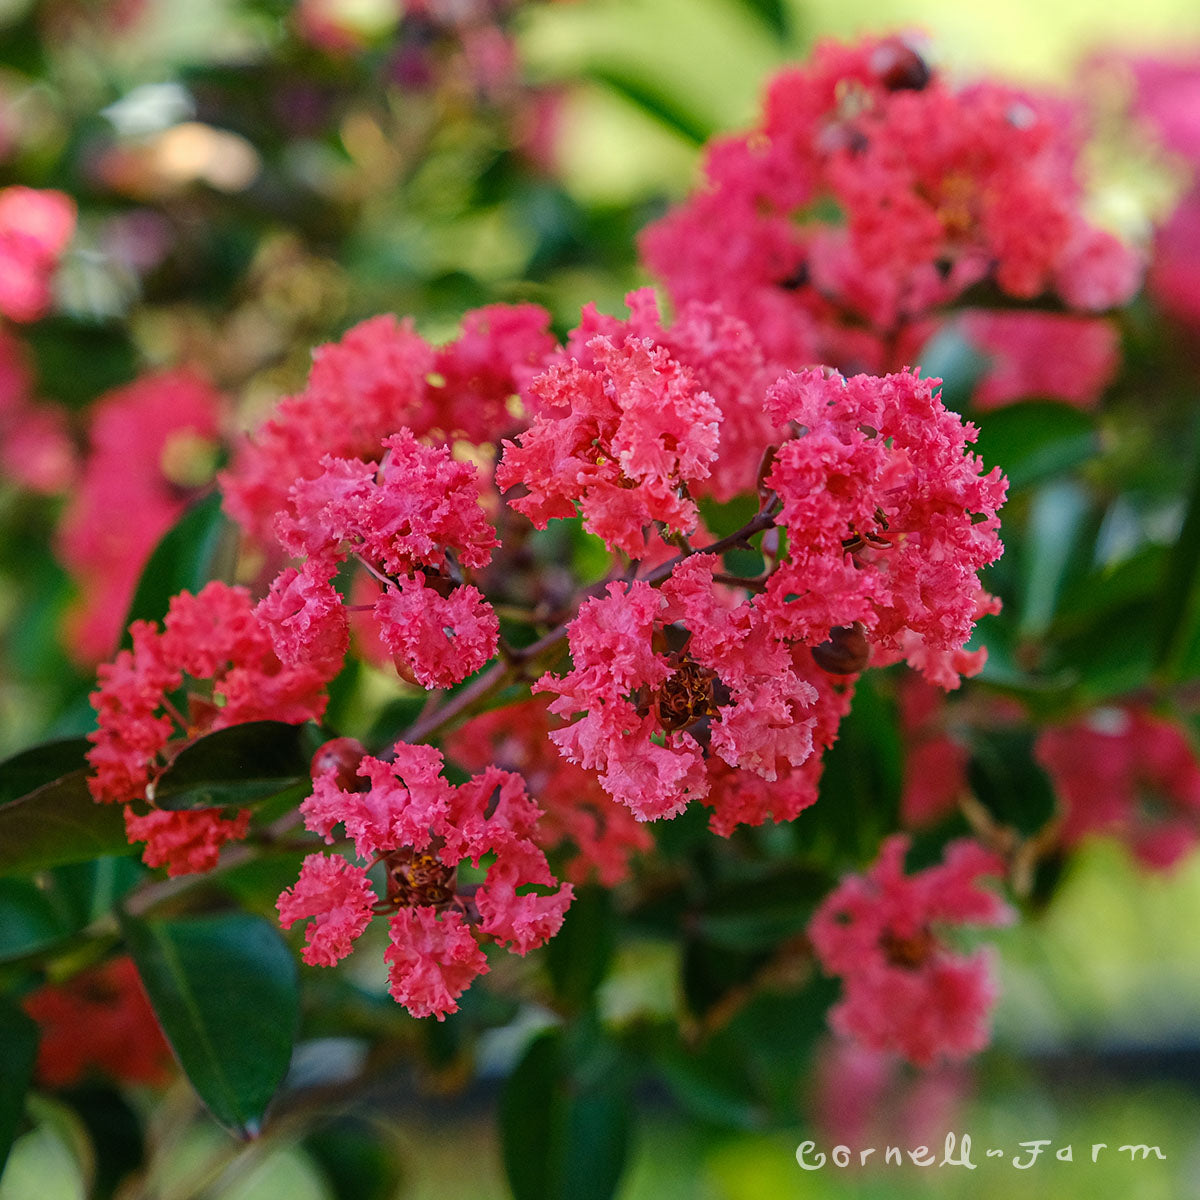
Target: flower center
{"points": [[686, 696], [908, 952], [418, 877]]}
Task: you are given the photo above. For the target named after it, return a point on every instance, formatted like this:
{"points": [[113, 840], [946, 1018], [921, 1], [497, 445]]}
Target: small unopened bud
{"points": [[898, 67], [340, 757], [846, 652]]}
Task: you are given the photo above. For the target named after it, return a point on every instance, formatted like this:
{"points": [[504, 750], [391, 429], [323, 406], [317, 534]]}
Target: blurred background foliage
{"points": [[255, 177]]}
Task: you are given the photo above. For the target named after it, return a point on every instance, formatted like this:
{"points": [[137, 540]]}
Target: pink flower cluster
{"points": [[216, 645], [624, 433], [904, 989], [725, 360], [601, 835], [98, 1020], [415, 522], [36, 447], [871, 195], [380, 378], [889, 518], [35, 227], [1128, 774], [654, 717], [405, 817], [151, 446]]}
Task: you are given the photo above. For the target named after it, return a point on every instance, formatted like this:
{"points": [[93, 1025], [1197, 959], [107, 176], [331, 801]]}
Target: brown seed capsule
{"points": [[846, 652], [898, 67], [341, 756]]}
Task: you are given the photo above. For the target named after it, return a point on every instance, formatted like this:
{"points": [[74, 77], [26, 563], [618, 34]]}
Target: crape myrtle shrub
{"points": [[507, 654]]}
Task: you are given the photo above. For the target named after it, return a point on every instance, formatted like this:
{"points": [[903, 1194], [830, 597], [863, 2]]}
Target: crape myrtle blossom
{"points": [[601, 835], [405, 817], [726, 361], [414, 520], [216, 645], [1129, 774], [872, 195], [151, 447], [622, 433], [905, 989], [382, 376], [887, 519], [98, 1021], [35, 227], [644, 705]]}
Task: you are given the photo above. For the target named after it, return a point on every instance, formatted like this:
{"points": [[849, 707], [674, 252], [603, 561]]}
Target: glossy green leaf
{"points": [[33, 768], [19, 1038], [226, 993], [29, 920], [115, 1132], [239, 766], [1034, 442], [760, 912], [36, 914], [357, 1160], [194, 550], [860, 784], [58, 823], [565, 1119], [1053, 548], [950, 357]]}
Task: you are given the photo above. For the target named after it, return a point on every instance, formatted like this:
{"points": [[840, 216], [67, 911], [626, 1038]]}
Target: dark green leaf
{"points": [[239, 766], [1006, 778], [58, 823], [39, 913], [578, 956], [189, 554], [761, 912], [1033, 442], [860, 784], [226, 993], [115, 1132], [357, 1161], [774, 15], [77, 360], [19, 1037], [28, 919], [33, 768], [1053, 549], [565, 1120], [1178, 611]]}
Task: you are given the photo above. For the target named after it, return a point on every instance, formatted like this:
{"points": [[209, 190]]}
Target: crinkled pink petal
{"points": [[432, 960], [339, 896]]}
